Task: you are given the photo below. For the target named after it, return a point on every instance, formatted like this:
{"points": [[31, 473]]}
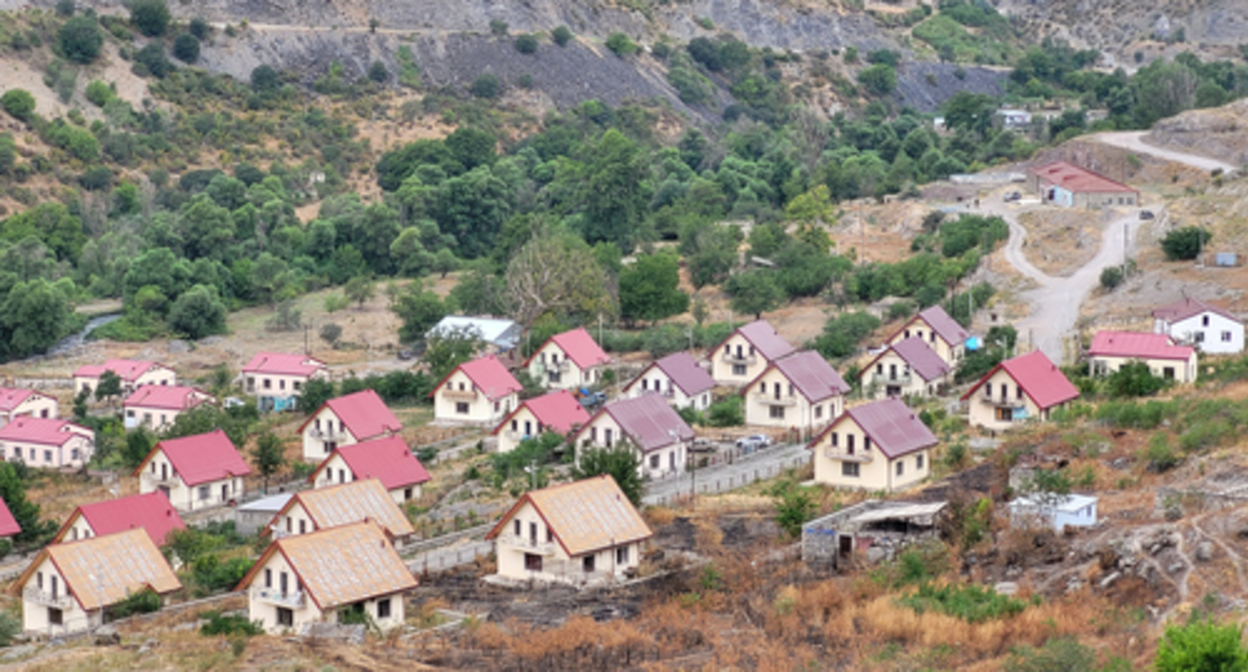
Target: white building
{"points": [[677, 378], [195, 472], [1063, 510], [347, 420], [1193, 322]]}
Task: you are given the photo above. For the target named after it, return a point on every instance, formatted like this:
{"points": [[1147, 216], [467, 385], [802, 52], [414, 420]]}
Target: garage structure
{"points": [[1063, 183]]}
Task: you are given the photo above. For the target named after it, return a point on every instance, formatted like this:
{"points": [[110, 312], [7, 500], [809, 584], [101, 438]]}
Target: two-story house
{"points": [[1026, 387], [68, 586], [388, 459], [556, 411], [44, 442], [133, 373], [194, 472], [742, 356], [877, 446], [647, 424], [151, 512], [480, 392], [17, 403], [941, 332], [581, 532], [1111, 349], [276, 379], [158, 406], [331, 576], [1194, 322], [345, 420], [568, 361], [908, 368], [677, 378], [800, 391], [340, 504]]}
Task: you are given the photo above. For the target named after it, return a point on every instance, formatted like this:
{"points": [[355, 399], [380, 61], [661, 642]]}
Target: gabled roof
{"points": [[278, 363], [892, 426], [945, 326], [488, 375], [201, 458], [362, 413], [683, 370], [915, 352], [340, 565], [578, 346], [647, 421], [103, 571], [811, 374], [128, 369], [388, 459], [8, 524], [1137, 345], [351, 503], [151, 512], [558, 411], [763, 337], [11, 398], [1077, 179], [42, 431], [1188, 307], [172, 397], [1040, 379], [584, 516], [502, 333]]}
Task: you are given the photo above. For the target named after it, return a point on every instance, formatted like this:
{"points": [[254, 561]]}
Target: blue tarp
{"points": [[972, 343]]}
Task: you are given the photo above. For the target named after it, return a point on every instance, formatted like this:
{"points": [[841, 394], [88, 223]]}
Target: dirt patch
{"points": [[1061, 241]]}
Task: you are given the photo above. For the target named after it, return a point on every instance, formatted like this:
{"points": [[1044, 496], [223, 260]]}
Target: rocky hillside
{"points": [[1221, 133]]}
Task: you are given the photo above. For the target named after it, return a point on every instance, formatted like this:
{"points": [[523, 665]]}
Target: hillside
{"points": [[1219, 132]]}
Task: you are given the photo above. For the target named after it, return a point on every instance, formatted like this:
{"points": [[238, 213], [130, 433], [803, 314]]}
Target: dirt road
{"points": [[1134, 141]]}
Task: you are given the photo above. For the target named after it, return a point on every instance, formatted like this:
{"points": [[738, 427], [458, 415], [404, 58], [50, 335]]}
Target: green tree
{"points": [[109, 386], [649, 288], [526, 43], [36, 314], [1202, 644], [265, 80], [472, 147], [879, 79], [621, 463], [139, 442], [360, 290], [487, 85], [1134, 379], [186, 48], [330, 333], [615, 202], [842, 334], [1185, 243], [444, 352], [81, 39], [794, 507], [151, 17], [620, 44], [378, 73], [754, 292], [419, 309], [25, 512], [1111, 277], [270, 456], [561, 35], [315, 393], [198, 312], [557, 276], [969, 111], [18, 103]]}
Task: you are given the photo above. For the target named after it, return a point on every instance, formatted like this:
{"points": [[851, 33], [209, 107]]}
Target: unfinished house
{"points": [[874, 530]]}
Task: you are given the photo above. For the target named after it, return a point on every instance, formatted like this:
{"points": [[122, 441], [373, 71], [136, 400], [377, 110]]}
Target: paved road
{"points": [[722, 477], [1134, 141]]}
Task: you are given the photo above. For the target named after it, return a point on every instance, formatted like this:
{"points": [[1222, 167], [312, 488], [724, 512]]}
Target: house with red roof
{"points": [[8, 524], [908, 368], [194, 472], [556, 411], [742, 356], [157, 406], [568, 361], [1066, 184], [941, 332], [16, 403], [46, 442], [134, 374], [480, 392], [878, 446], [677, 378], [1208, 328], [346, 420], [647, 424], [276, 378], [1023, 388], [1111, 349], [800, 391], [388, 459], [151, 512]]}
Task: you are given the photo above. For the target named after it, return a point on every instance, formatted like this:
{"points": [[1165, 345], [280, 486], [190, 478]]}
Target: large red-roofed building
{"points": [[1111, 349], [1064, 183], [46, 442], [133, 373], [158, 406], [276, 379], [152, 512]]}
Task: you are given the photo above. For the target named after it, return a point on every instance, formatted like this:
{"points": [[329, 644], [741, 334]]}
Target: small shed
{"points": [[876, 528], [251, 517], [1072, 510]]}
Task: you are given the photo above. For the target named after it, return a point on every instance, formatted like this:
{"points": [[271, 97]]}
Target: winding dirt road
{"points": [[1134, 141]]}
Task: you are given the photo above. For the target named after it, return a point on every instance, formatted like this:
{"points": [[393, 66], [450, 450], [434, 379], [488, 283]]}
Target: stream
{"points": [[74, 341]]}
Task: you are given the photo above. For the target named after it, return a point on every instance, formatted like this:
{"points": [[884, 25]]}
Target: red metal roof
{"points": [[172, 397], [914, 351], [201, 458], [362, 413], [11, 398], [765, 340], [1137, 345], [42, 431], [1188, 307], [8, 524], [578, 346], [284, 364], [558, 411], [892, 426], [489, 375], [128, 369], [152, 512], [1077, 179], [810, 373], [684, 372], [1040, 379], [388, 459]]}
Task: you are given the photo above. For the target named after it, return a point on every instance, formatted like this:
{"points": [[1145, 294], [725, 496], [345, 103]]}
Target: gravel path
{"points": [[1134, 141]]}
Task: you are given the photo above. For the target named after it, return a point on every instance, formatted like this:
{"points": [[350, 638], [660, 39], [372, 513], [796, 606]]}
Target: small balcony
{"points": [[843, 455], [58, 600], [1003, 402], [528, 544], [884, 379], [168, 479], [327, 434], [460, 395], [293, 600], [773, 400], [747, 360]]}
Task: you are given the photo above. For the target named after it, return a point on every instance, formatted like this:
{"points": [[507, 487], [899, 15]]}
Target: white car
{"points": [[752, 443]]}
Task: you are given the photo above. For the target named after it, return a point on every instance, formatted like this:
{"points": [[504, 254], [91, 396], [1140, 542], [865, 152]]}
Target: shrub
{"points": [[1159, 455], [1201, 645], [498, 27], [620, 44], [851, 54], [81, 39], [18, 103], [144, 601], [1111, 277], [151, 17], [726, 413], [1134, 380], [97, 178], [525, 81], [186, 48], [264, 79], [487, 86], [1059, 654], [561, 36], [232, 624], [794, 506], [378, 73], [1185, 243], [526, 44], [65, 7], [199, 28], [99, 93], [152, 59], [971, 603], [879, 79]]}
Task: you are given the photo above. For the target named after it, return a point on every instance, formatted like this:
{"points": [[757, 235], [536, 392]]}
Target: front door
{"points": [[532, 562]]}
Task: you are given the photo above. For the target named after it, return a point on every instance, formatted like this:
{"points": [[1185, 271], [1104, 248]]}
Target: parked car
{"points": [[1012, 196], [752, 443], [406, 354], [593, 399], [703, 446], [1146, 214]]}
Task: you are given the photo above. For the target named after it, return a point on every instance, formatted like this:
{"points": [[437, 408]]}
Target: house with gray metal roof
{"points": [[880, 446], [800, 392]]}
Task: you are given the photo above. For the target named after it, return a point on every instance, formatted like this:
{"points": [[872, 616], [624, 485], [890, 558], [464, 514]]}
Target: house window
{"points": [[644, 385], [606, 433], [281, 384], [383, 608], [654, 461], [268, 384], [776, 412], [516, 526], [621, 555], [73, 454], [849, 469], [849, 442], [818, 412], [738, 369], [461, 407], [1004, 414], [901, 467], [1200, 337], [532, 562], [866, 444], [1018, 391], [55, 616], [39, 580], [407, 494], [47, 456], [203, 493], [285, 617], [918, 463], [987, 389], [268, 577], [550, 535], [587, 564], [1204, 321], [303, 526], [1226, 337]]}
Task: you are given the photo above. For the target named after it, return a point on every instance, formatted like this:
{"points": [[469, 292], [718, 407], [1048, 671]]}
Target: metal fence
{"points": [[712, 484]]}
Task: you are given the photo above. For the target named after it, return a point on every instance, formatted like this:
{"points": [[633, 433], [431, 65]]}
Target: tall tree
{"points": [[612, 191], [270, 456], [419, 309], [755, 291], [560, 276], [649, 289], [620, 463]]}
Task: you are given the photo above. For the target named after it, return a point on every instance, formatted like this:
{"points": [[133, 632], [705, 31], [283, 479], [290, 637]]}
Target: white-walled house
{"points": [[1193, 322], [346, 420], [133, 373], [742, 356], [1062, 510], [151, 512], [800, 391], [556, 411], [941, 332], [68, 585], [877, 446], [17, 403], [41, 442], [1027, 387], [276, 379], [568, 361], [194, 472], [677, 378], [325, 575], [158, 406], [649, 425], [340, 504], [388, 459], [909, 368], [480, 392], [1110, 350], [578, 533]]}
